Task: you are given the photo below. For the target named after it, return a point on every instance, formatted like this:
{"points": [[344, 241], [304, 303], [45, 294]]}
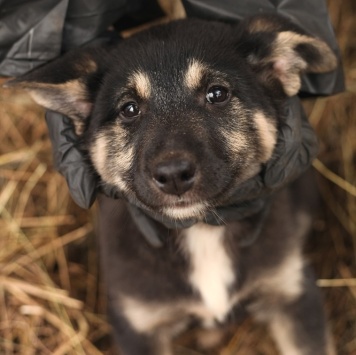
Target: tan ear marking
{"points": [[291, 54], [262, 24], [87, 66], [73, 89], [288, 64], [292, 40], [69, 98]]}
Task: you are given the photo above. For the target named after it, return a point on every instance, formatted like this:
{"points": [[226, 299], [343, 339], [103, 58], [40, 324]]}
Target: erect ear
{"points": [[67, 85], [278, 51]]}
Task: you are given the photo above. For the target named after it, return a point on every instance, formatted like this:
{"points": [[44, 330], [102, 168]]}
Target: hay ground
{"points": [[51, 298]]}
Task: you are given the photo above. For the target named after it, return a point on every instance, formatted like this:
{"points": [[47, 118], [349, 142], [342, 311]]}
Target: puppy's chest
{"points": [[211, 268]]}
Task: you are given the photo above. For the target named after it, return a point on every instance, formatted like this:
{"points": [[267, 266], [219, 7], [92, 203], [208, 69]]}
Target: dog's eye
{"points": [[217, 94], [130, 110]]}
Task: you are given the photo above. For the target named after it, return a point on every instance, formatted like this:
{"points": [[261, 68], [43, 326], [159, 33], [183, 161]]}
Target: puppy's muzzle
{"points": [[174, 176]]}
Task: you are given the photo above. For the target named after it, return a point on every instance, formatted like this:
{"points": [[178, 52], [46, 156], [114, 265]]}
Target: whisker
{"points": [[218, 216]]}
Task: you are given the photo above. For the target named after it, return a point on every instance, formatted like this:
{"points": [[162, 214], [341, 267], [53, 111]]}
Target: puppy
{"points": [[175, 119]]}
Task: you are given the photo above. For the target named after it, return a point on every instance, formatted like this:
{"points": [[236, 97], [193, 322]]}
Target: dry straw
{"points": [[51, 300]]}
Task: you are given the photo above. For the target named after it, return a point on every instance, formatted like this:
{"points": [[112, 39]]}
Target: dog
{"points": [[176, 118]]}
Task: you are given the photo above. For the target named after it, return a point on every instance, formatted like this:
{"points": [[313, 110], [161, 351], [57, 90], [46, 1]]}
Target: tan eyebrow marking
{"points": [[141, 82], [194, 74]]}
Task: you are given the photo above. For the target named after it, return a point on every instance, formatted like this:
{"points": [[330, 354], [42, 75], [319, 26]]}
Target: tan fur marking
{"points": [[111, 170], [262, 25], [68, 98], [172, 318], [160, 321], [144, 317], [73, 90], [288, 40], [288, 65], [282, 331], [148, 317], [235, 138], [40, 99], [124, 153], [287, 279], [284, 283], [122, 161], [194, 74], [236, 141], [267, 132], [98, 155], [141, 82], [86, 66]]}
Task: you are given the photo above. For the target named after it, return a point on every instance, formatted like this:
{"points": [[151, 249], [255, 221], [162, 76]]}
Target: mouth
{"points": [[178, 208], [184, 210], [181, 207]]}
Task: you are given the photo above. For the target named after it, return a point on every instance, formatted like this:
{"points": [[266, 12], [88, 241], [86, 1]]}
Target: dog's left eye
{"points": [[130, 110], [217, 94]]}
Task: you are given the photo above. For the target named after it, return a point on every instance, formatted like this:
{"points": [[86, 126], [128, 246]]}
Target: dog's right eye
{"points": [[217, 95], [130, 110]]}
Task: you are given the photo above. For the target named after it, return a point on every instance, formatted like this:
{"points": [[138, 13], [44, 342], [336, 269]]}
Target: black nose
{"points": [[174, 177]]}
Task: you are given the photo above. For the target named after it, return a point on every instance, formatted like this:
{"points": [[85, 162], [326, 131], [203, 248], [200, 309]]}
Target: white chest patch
{"points": [[211, 268]]}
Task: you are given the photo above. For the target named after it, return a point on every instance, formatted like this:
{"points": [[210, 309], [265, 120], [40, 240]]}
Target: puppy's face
{"points": [[178, 116], [180, 128]]}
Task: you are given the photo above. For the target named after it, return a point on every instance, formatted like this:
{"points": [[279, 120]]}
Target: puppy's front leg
{"points": [[297, 324], [131, 342]]}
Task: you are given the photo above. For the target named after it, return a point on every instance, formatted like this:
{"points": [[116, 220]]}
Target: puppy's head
{"points": [[177, 116]]}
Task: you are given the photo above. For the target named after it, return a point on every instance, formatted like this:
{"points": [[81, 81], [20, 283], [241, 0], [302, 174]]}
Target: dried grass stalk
{"points": [[51, 300]]}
